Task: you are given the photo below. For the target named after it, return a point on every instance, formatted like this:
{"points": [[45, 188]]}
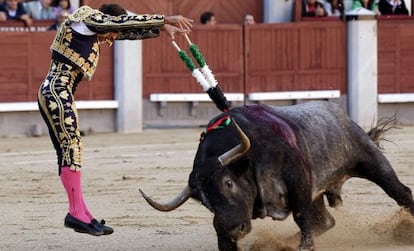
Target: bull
{"points": [[258, 160]]}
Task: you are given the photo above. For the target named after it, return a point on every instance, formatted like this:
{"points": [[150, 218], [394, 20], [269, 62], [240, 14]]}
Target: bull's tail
{"points": [[377, 133]]}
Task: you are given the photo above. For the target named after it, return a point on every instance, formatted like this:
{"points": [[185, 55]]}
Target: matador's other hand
{"points": [[179, 21], [172, 30]]}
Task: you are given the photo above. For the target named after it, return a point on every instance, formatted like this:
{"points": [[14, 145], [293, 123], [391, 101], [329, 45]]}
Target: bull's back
{"points": [[316, 120], [322, 131]]}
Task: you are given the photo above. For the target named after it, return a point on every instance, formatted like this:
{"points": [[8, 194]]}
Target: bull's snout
{"points": [[240, 231]]}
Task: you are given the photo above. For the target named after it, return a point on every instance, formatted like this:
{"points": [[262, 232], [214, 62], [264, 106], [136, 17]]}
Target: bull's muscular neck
{"points": [[281, 129]]}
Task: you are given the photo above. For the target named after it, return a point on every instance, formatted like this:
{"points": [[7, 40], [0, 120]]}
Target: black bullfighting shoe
{"points": [[101, 225], [82, 227]]}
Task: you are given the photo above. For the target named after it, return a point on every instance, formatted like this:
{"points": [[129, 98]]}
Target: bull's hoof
{"points": [[306, 245], [323, 225], [334, 199], [335, 202], [307, 249]]}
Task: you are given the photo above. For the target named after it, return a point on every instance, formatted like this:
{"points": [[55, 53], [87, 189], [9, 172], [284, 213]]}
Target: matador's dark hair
{"points": [[112, 9]]}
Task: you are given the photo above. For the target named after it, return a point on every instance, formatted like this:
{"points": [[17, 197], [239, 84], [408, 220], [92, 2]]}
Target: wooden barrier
{"points": [[302, 56], [25, 60], [295, 57], [395, 50]]}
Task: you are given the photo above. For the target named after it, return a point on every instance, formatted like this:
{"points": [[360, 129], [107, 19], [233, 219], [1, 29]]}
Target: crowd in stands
{"points": [[29, 10], [209, 18], [58, 10], [323, 8], [330, 8]]}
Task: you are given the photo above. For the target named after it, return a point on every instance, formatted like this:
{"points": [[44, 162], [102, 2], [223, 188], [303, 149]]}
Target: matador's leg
{"points": [[56, 103]]}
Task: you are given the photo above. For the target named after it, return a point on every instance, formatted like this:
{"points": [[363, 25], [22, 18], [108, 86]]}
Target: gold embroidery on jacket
{"points": [[63, 45], [129, 27]]}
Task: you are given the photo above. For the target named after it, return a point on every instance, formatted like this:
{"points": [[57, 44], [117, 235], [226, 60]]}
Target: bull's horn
{"points": [[178, 200], [237, 151]]}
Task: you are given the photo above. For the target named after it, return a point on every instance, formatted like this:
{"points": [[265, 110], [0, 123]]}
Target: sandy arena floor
{"points": [[33, 202]]}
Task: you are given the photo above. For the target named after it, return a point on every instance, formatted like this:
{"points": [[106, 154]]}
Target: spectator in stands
{"points": [[313, 8], [60, 18], [60, 5], [371, 5], [75, 56], [333, 7], [248, 19], [40, 9], [208, 18], [392, 7], [14, 10]]}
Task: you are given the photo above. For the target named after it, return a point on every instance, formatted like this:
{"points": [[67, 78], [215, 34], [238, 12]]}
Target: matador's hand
{"points": [[179, 21], [172, 30]]}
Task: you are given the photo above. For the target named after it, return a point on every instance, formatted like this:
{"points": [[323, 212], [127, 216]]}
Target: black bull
{"points": [[270, 161]]}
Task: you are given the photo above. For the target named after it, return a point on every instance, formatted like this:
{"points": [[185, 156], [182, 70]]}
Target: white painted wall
{"points": [[277, 11], [128, 85], [363, 71]]}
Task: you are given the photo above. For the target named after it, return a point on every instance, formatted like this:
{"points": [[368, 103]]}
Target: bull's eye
{"points": [[229, 184]]}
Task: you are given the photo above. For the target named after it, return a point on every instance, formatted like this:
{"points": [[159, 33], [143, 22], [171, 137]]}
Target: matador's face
{"points": [[107, 38]]}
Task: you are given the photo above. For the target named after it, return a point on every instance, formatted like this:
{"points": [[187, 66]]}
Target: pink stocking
{"points": [[86, 210], [71, 181]]}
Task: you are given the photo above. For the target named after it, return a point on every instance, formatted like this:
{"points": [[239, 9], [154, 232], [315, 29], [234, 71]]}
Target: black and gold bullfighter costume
{"points": [[75, 55]]}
